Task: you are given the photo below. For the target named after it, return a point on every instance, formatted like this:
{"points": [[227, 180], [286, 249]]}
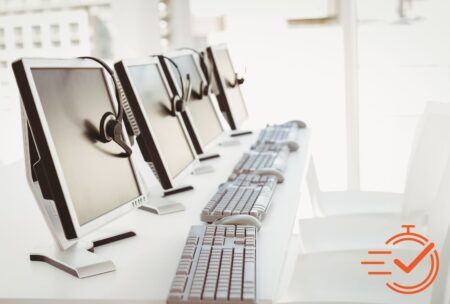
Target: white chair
{"points": [[362, 230], [339, 276], [362, 289], [328, 203]]}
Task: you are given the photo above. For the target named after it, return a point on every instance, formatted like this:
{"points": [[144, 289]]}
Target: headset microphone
{"points": [[111, 124]]}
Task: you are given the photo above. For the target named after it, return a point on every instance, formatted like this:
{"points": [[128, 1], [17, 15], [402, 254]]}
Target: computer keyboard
{"points": [[247, 194], [218, 265], [278, 133], [254, 160], [265, 147]]}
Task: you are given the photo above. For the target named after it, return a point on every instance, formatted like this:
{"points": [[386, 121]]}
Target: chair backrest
{"points": [[439, 233], [312, 182], [439, 215], [441, 289], [428, 160]]}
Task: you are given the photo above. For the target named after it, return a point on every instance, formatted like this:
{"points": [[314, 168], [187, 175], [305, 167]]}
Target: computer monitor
{"points": [[203, 113], [164, 141], [229, 95], [79, 182]]}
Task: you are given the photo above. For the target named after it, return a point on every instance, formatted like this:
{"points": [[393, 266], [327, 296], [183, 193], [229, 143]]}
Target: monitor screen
{"points": [[99, 180], [170, 137], [234, 95], [203, 114]]}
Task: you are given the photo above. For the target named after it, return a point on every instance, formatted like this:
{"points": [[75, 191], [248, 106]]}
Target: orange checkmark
{"points": [[420, 257]]}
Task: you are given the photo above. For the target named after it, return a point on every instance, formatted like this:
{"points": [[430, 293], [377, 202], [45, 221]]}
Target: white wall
{"points": [[135, 28]]}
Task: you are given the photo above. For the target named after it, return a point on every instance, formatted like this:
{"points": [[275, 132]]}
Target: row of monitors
{"points": [[88, 181]]}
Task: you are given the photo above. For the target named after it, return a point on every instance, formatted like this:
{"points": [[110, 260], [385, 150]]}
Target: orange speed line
{"points": [[372, 263]]}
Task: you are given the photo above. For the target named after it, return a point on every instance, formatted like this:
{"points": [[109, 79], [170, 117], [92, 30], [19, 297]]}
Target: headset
{"points": [[178, 101], [111, 124], [237, 81], [204, 89]]}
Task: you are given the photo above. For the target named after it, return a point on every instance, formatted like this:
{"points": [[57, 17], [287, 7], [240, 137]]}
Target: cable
{"points": [[178, 72], [179, 105], [113, 76]]}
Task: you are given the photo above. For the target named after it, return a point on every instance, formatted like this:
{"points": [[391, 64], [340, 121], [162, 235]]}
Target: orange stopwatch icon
{"points": [[427, 250]]}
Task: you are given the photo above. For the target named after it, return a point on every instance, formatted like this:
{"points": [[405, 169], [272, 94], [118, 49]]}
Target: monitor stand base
{"points": [[207, 156], [199, 170], [80, 259], [230, 143], [237, 133], [162, 205], [176, 190]]}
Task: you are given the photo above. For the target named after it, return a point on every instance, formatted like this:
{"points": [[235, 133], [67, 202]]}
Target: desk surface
{"points": [[145, 264]]}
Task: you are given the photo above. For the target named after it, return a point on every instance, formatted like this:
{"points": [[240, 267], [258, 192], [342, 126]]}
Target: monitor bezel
{"points": [[39, 127], [122, 68], [215, 105], [222, 97]]}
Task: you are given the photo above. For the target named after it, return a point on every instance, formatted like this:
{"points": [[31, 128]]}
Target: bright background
{"points": [[291, 52]]}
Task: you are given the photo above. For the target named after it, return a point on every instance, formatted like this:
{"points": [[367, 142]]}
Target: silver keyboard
{"points": [[265, 147], [277, 133], [218, 265], [247, 194], [254, 160]]}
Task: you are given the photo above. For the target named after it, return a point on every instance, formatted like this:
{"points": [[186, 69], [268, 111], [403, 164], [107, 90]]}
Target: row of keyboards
{"points": [[218, 262]]}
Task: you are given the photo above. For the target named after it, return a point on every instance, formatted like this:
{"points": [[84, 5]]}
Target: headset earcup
{"points": [[104, 122], [174, 105], [206, 90], [179, 105]]}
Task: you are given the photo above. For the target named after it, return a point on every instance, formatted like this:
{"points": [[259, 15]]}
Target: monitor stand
{"points": [[80, 259], [230, 142], [207, 156], [237, 133], [199, 170], [158, 203]]}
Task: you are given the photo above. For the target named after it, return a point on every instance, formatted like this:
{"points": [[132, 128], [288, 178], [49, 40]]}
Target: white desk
{"points": [[145, 264]]}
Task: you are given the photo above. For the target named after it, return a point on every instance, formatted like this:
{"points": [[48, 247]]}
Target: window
{"points": [[18, 37], [54, 35], [164, 29], [2, 39], [403, 63], [36, 36], [36, 30], [74, 34], [74, 28]]}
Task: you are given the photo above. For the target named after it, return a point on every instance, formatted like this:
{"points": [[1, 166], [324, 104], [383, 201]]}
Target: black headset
{"points": [[237, 81], [204, 88], [178, 101], [110, 124]]}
